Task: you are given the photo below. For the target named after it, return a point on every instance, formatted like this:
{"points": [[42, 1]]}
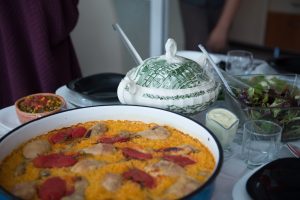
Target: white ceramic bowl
{"points": [[117, 112], [170, 82]]}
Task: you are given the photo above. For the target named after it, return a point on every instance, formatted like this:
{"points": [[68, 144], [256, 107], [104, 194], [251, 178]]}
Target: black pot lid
{"points": [[97, 87]]}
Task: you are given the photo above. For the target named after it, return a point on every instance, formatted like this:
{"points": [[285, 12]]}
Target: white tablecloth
{"points": [[234, 168]]}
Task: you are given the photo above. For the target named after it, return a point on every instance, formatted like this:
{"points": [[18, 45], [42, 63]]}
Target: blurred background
{"points": [[261, 26]]}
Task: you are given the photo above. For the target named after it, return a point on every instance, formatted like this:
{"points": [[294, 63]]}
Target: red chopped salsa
{"points": [[39, 104]]}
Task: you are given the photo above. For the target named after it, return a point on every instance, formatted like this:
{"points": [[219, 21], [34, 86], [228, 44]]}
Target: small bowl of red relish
{"points": [[38, 105]]}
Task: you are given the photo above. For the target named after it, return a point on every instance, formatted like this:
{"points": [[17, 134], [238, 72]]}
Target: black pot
{"points": [[286, 64], [98, 87]]}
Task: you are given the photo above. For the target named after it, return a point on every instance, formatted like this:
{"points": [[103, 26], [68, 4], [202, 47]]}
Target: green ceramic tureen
{"points": [[170, 82]]}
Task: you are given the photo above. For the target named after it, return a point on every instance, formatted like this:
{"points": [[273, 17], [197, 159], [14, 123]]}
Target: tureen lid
{"points": [[169, 71]]}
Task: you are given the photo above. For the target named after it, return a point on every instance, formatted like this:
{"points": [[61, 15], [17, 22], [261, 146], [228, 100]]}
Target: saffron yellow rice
{"points": [[116, 163]]}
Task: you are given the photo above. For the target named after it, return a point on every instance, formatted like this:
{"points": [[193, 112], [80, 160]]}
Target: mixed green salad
{"points": [[273, 98]]}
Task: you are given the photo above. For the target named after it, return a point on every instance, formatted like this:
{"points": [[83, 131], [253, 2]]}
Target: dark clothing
{"points": [[199, 17], [36, 53]]}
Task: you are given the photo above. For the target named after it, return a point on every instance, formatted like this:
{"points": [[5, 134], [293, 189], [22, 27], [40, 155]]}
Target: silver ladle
{"points": [[137, 58], [227, 87], [217, 70]]}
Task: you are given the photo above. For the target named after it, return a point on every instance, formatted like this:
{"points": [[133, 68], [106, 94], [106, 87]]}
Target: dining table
{"points": [[231, 181]]}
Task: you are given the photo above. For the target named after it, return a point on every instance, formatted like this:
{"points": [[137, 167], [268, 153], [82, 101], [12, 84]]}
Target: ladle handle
{"points": [[217, 70], [137, 58]]}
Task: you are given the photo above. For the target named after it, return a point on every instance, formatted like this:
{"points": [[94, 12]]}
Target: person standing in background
{"points": [[36, 52], [207, 22]]}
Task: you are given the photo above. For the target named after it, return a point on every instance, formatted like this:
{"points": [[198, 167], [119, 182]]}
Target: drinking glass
{"points": [[239, 62], [261, 142], [223, 124]]}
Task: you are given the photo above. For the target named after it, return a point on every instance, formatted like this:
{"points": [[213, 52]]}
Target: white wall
{"points": [[99, 48], [134, 18], [175, 24], [250, 22], [94, 39]]}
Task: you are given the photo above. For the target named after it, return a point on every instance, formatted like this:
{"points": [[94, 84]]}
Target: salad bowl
{"points": [[270, 97]]}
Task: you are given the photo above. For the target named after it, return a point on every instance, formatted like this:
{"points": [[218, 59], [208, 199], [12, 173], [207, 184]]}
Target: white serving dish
{"points": [[42, 125], [170, 82]]}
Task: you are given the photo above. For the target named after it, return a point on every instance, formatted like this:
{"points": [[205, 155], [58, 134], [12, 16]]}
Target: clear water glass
{"points": [[239, 62], [261, 142]]}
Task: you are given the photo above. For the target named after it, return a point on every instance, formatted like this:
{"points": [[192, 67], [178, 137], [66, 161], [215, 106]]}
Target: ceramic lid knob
{"points": [[171, 49]]}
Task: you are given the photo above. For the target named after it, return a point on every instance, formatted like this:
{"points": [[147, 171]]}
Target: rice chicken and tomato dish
{"points": [[110, 159]]}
